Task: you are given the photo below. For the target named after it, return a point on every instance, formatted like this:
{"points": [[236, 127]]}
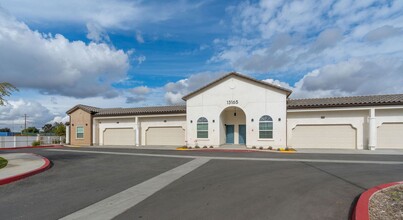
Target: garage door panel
{"points": [[171, 136], [390, 135], [119, 136], [324, 136]]}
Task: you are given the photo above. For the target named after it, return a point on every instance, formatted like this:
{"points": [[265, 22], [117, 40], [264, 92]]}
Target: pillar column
{"points": [[137, 132], [372, 130]]}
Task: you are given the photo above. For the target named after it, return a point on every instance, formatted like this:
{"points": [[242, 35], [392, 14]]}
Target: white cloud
{"points": [[55, 65], [96, 33], [139, 37], [138, 94], [174, 91], [140, 59], [59, 119], [141, 90], [383, 32], [12, 115], [352, 77], [289, 37], [120, 14]]}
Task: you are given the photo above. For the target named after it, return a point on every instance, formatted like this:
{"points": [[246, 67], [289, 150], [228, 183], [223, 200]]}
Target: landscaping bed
{"points": [[3, 162], [387, 204]]}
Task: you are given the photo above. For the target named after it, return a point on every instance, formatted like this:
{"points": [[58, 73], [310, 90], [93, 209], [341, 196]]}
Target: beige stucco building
{"points": [[242, 111]]}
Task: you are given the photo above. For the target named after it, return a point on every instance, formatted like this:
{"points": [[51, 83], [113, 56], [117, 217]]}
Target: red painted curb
{"points": [[361, 210], [27, 174], [26, 147]]}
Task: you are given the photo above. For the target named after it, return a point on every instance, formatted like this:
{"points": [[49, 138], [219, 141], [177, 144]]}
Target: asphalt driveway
{"points": [[219, 189]]}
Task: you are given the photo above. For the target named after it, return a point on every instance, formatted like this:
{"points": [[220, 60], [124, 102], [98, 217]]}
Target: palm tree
{"points": [[5, 90]]}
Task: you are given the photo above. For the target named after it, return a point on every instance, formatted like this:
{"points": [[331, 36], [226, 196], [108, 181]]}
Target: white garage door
{"points": [[174, 136], [119, 136], [323, 136], [390, 135]]}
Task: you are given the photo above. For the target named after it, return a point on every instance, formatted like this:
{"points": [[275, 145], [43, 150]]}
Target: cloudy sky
{"points": [[127, 53]]}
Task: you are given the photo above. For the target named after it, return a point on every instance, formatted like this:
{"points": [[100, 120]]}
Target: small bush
{"points": [[197, 147], [270, 148], [36, 143], [189, 147], [204, 146], [184, 147], [254, 147], [211, 146], [260, 148]]}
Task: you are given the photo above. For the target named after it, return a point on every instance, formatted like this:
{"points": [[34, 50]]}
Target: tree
{"points": [[47, 128], [59, 129], [5, 90], [30, 130], [5, 130]]}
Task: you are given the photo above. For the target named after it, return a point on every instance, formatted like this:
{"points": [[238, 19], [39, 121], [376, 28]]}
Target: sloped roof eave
{"points": [[186, 97]]}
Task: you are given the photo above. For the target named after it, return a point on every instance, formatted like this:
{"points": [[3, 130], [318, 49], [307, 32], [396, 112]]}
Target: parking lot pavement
{"points": [[76, 181], [218, 189], [264, 190], [262, 154]]}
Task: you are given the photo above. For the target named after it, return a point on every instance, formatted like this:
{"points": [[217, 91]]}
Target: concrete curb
{"points": [[27, 147], [29, 173], [361, 210]]}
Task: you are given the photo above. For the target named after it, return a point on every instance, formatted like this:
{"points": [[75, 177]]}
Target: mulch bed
{"points": [[387, 204]]}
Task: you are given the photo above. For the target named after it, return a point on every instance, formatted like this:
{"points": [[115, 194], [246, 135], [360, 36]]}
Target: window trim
{"points": [[199, 121], [79, 126], [270, 120]]}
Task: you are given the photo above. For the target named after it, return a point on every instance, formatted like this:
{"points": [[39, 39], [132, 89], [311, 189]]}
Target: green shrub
{"points": [[204, 146], [260, 148], [211, 146], [254, 147], [36, 143]]}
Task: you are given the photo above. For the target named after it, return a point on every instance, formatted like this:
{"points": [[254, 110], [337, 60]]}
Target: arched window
{"points": [[202, 128], [265, 127]]}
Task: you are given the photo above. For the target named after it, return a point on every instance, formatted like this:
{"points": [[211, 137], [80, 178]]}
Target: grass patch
{"points": [[3, 162]]}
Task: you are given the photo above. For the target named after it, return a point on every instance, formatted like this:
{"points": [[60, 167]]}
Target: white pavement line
{"points": [[239, 158], [119, 203]]}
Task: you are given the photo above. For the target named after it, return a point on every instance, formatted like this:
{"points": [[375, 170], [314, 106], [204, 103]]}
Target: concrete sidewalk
{"points": [[21, 165], [348, 151]]}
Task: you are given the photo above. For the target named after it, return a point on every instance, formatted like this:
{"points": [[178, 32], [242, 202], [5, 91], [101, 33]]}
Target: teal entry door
{"points": [[229, 134], [242, 134]]}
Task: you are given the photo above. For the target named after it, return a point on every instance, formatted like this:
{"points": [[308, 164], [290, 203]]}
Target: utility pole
{"points": [[25, 124]]}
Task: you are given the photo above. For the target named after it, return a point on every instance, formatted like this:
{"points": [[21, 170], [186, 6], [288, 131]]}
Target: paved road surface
{"points": [[223, 186]]}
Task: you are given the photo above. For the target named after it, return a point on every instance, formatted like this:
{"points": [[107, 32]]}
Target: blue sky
{"points": [[122, 53]]}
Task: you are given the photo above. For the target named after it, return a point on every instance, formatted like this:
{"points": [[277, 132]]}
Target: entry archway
{"points": [[233, 126]]}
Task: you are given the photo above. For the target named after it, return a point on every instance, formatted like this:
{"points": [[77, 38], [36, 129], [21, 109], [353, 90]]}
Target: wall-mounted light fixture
{"points": [[86, 124], [191, 121], [279, 119], [213, 120], [322, 117], [252, 120], [165, 120]]}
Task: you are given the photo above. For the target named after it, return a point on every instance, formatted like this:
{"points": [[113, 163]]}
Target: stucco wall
{"points": [[80, 118], [254, 99]]}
